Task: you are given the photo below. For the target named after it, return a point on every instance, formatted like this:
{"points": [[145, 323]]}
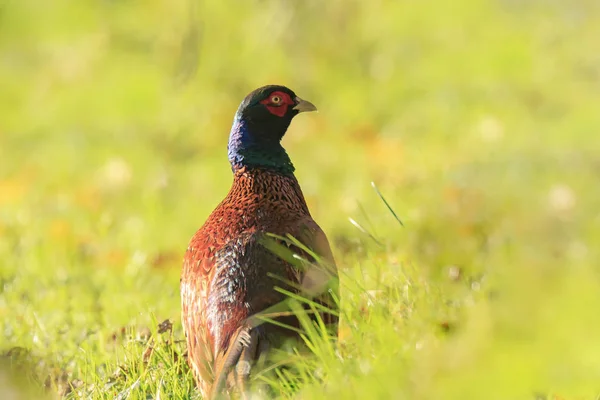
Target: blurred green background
{"points": [[477, 120]]}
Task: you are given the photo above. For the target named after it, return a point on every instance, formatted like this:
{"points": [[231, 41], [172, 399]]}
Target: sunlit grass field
{"points": [[478, 121]]}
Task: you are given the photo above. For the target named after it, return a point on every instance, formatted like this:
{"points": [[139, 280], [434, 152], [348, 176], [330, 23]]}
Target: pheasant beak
{"points": [[304, 105]]}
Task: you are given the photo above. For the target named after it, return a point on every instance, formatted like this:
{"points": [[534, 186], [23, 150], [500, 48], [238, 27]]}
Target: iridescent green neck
{"points": [[259, 147]]}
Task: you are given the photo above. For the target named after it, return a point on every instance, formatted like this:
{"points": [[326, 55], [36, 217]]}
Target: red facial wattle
{"points": [[278, 108]]}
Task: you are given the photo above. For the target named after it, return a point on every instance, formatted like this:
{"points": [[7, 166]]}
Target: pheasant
{"points": [[234, 264]]}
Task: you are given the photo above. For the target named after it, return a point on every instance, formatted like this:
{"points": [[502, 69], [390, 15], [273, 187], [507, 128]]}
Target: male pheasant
{"points": [[232, 270]]}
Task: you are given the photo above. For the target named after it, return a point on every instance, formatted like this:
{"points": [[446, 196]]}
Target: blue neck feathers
{"points": [[258, 147]]}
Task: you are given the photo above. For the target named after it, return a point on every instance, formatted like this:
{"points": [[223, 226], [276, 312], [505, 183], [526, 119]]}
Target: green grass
{"points": [[477, 120]]}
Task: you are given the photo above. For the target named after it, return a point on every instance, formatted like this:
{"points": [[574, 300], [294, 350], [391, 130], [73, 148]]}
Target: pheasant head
{"points": [[259, 125]]}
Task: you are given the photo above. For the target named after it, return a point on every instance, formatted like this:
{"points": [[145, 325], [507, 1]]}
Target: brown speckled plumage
{"points": [[230, 274]]}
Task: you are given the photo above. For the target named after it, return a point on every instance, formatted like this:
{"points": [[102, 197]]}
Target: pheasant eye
{"points": [[275, 99]]}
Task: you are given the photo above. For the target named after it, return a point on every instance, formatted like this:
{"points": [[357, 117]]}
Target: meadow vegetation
{"points": [[477, 120]]}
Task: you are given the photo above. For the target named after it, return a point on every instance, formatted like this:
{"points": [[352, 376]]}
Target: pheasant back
{"points": [[231, 272]]}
